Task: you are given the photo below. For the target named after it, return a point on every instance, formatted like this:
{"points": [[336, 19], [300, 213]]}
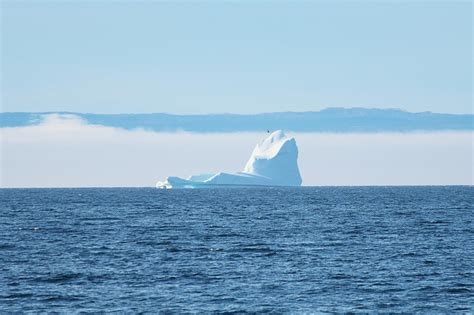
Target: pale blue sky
{"points": [[209, 57]]}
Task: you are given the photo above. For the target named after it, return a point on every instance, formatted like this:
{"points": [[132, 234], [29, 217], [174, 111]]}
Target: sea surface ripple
{"points": [[310, 249]]}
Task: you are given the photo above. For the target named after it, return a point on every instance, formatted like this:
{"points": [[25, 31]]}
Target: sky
{"points": [[202, 57], [235, 57]]}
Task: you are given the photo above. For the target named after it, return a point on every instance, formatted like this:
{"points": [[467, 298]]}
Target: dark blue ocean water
{"points": [[382, 249]]}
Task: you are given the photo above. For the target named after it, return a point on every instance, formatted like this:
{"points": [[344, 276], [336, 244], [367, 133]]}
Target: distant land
{"points": [[327, 120]]}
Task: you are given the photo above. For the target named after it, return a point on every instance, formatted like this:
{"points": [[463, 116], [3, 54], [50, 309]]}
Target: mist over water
{"points": [[64, 151], [385, 249]]}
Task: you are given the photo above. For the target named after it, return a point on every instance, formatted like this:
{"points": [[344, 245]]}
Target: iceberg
{"points": [[274, 162]]}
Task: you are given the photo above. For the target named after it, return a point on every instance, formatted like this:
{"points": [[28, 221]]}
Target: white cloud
{"points": [[64, 151]]}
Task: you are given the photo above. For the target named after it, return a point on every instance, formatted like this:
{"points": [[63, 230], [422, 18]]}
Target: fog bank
{"points": [[63, 151]]}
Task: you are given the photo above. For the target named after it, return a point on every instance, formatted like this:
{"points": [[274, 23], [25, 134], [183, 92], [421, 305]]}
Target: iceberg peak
{"points": [[273, 162], [271, 145]]}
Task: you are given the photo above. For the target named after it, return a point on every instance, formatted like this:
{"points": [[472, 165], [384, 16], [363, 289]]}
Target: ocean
{"points": [[280, 250]]}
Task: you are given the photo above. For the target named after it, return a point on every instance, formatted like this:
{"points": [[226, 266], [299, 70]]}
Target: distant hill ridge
{"points": [[326, 120]]}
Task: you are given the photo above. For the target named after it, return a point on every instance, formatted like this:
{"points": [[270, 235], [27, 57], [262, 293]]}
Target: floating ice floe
{"points": [[274, 162]]}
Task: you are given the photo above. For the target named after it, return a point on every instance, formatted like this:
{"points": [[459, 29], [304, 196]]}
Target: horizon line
{"points": [[244, 187]]}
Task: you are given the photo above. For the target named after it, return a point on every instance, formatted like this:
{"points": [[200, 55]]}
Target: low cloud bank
{"points": [[64, 151]]}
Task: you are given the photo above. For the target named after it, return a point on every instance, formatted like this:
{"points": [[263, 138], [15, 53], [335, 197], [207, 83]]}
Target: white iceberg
{"points": [[274, 162]]}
